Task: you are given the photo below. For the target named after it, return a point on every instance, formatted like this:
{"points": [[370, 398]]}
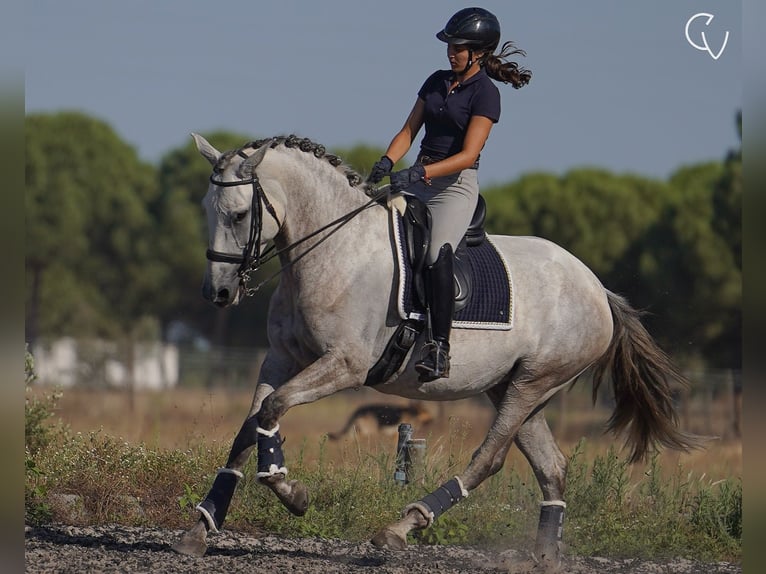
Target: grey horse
{"points": [[332, 315]]}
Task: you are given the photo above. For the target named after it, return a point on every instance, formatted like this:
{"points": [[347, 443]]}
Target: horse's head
{"points": [[240, 218]]}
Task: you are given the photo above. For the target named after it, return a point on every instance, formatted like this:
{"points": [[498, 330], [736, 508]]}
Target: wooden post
{"points": [[405, 433], [734, 395], [415, 460]]}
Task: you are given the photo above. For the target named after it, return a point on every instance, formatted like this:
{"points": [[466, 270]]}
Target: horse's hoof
{"points": [[293, 494], [192, 543], [387, 538], [299, 498]]}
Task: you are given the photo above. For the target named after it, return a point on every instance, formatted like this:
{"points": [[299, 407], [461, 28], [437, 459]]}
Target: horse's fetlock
{"points": [[271, 459]]}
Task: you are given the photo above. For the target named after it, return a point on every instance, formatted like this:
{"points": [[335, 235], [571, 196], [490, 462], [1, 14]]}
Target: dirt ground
{"points": [[56, 549]]}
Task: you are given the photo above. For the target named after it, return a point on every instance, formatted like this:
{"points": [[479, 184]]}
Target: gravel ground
{"points": [[134, 550]]}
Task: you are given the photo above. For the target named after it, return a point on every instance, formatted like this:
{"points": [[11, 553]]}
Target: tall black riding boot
{"points": [[440, 290]]}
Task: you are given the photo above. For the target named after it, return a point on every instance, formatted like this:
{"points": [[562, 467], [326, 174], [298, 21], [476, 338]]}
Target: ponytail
{"points": [[507, 72]]}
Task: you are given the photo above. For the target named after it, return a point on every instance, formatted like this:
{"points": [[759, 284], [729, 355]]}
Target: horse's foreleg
{"points": [[215, 506], [322, 378], [536, 442]]}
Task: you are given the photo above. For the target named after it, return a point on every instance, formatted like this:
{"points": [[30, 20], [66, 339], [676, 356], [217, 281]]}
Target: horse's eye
{"points": [[239, 216]]}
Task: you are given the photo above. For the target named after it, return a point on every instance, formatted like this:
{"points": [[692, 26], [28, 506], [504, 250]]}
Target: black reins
{"points": [[251, 258]]}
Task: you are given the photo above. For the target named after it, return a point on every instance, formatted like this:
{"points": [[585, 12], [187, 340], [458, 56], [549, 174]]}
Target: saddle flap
{"points": [[417, 232]]}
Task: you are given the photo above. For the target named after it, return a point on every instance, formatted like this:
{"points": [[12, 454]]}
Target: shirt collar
{"points": [[470, 80]]}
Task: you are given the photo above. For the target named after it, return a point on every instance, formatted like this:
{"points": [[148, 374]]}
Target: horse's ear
{"points": [[208, 151], [248, 166]]}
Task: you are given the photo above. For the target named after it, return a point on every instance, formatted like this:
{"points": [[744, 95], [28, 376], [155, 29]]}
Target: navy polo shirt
{"points": [[447, 113]]}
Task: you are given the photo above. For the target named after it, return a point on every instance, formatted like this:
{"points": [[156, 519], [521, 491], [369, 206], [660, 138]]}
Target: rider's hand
{"points": [[381, 169], [401, 180]]}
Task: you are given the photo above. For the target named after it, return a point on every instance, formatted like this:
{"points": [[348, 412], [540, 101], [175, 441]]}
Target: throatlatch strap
{"points": [[444, 498], [271, 459]]}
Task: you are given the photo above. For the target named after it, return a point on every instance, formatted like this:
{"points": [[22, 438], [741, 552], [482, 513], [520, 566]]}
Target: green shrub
{"points": [[37, 436], [610, 513]]}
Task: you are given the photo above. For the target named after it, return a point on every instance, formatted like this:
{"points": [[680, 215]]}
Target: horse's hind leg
{"points": [[535, 440], [514, 406]]}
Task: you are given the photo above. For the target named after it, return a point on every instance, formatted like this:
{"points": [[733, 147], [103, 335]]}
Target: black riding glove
{"points": [[381, 169], [401, 180]]}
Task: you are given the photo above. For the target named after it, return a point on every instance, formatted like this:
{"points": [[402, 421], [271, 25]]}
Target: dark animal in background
{"points": [[385, 419]]}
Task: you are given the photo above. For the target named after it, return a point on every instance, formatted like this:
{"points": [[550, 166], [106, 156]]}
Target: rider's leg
{"points": [[441, 305], [451, 202]]}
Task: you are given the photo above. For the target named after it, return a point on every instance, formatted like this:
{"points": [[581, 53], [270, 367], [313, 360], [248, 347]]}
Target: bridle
{"points": [[251, 259]]}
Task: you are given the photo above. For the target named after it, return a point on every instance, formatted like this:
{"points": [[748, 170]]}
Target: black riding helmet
{"points": [[475, 27]]}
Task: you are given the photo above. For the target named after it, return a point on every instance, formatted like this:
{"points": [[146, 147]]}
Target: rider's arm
{"points": [[402, 141]]}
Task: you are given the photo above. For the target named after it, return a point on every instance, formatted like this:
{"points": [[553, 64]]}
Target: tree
{"points": [[591, 212], [91, 262]]}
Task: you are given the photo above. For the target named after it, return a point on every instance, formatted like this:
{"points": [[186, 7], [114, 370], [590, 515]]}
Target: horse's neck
{"points": [[317, 194]]}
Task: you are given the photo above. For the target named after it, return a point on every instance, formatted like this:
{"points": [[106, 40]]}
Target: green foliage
{"points": [[189, 499], [362, 157], [37, 410], [672, 248], [447, 530], [88, 222], [609, 513], [37, 437]]}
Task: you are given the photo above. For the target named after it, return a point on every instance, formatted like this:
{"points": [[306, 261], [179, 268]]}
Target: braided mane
{"points": [[306, 145]]}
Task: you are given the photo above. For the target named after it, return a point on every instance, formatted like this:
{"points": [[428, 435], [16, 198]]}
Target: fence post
{"points": [[735, 404], [410, 457], [405, 433], [415, 460]]}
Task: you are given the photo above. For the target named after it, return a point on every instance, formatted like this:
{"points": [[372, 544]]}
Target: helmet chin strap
{"points": [[470, 62]]}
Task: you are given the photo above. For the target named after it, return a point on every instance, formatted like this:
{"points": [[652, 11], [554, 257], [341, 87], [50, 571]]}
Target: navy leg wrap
{"points": [[549, 531], [216, 504], [443, 498], [246, 437], [271, 459], [551, 522]]}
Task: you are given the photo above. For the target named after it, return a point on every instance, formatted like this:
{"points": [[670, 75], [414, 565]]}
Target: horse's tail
{"points": [[642, 379]]}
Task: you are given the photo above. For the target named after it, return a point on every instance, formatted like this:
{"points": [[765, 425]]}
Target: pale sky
{"points": [[615, 84]]}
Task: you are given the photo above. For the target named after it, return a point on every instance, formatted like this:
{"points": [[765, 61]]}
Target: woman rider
{"points": [[457, 107]]}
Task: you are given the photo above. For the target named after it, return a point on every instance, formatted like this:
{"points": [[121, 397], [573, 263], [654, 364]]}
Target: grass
{"points": [[657, 510], [611, 512]]}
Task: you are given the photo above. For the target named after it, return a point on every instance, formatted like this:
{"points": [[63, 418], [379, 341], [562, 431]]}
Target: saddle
{"points": [[417, 234], [417, 238]]}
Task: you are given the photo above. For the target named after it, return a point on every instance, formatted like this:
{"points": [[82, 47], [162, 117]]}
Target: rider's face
{"points": [[458, 56]]}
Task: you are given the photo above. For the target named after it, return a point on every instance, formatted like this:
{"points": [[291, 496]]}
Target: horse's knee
{"points": [[271, 410]]}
